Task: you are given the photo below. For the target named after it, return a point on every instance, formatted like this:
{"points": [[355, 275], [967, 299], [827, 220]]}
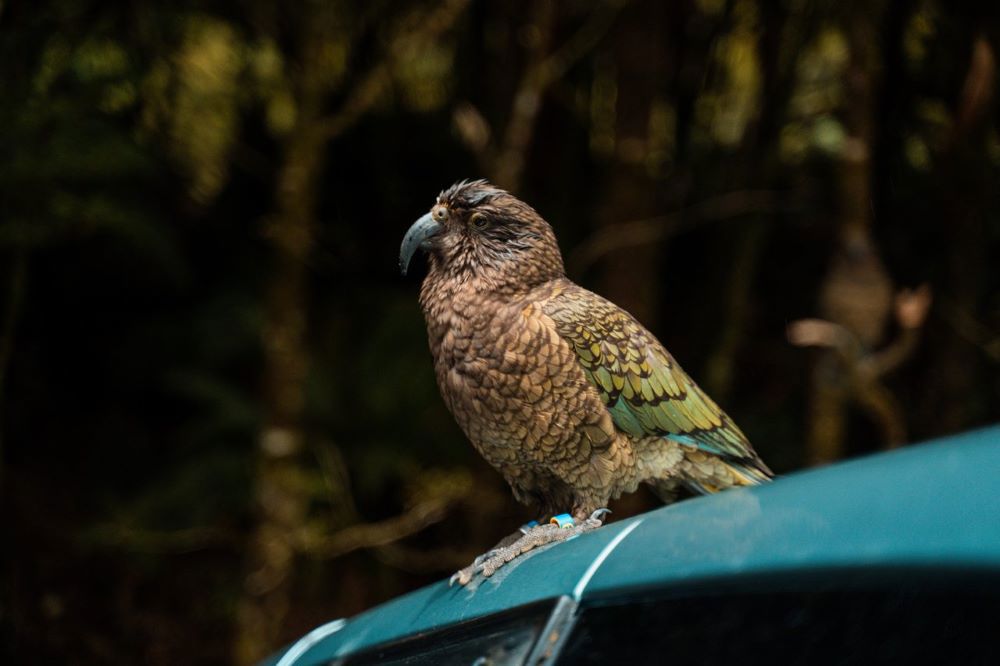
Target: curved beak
{"points": [[419, 235]]}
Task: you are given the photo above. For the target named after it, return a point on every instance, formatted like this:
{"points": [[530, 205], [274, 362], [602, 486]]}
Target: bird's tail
{"points": [[749, 473], [752, 473]]}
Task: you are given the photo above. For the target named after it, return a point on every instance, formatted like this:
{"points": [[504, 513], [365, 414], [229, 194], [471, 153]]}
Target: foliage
{"points": [[700, 162]]}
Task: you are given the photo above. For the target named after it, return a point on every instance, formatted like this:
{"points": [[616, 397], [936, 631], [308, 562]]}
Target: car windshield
{"points": [[843, 617], [919, 618], [500, 640]]}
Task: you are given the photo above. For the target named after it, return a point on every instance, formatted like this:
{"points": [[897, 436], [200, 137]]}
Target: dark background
{"points": [[218, 417]]}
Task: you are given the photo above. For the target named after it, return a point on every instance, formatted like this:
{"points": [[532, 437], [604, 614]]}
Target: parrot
{"points": [[564, 393]]}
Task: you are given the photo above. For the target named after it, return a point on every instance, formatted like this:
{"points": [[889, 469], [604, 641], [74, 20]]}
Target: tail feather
{"points": [[741, 473], [753, 473], [701, 487], [684, 470]]}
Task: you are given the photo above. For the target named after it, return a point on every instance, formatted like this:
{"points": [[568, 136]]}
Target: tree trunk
{"points": [[282, 500], [282, 495], [949, 403], [632, 278], [857, 290]]}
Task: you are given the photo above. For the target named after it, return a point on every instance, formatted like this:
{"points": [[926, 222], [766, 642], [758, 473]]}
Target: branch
{"points": [[326, 546], [866, 369], [580, 44], [866, 388], [652, 230], [884, 409], [372, 535], [970, 329], [977, 91], [378, 80], [505, 164], [828, 335], [540, 74], [475, 132], [912, 306], [337, 482], [159, 542]]}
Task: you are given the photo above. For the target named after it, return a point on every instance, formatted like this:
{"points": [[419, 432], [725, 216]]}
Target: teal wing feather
{"points": [[646, 391]]}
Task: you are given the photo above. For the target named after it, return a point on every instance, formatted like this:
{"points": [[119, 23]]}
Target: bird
{"points": [[564, 393]]}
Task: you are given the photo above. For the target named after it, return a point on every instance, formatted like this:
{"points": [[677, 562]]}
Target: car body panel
{"points": [[932, 504], [553, 572], [929, 504]]}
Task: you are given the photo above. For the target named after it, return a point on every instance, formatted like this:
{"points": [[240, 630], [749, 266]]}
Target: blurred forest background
{"points": [[218, 416]]}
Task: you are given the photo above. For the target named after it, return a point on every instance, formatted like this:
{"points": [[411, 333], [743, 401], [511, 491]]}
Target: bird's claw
{"points": [[599, 515], [533, 537], [462, 577], [485, 556], [479, 565]]}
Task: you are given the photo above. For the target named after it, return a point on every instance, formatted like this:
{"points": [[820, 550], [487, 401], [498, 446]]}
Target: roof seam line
{"points": [[599, 560], [306, 643]]}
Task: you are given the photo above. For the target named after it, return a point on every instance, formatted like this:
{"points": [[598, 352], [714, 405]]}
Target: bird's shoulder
{"points": [[586, 319]]}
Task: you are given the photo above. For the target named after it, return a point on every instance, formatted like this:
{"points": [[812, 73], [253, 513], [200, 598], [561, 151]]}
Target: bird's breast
{"points": [[506, 379]]}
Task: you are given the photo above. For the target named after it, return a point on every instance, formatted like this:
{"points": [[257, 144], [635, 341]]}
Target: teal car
{"points": [[893, 558]]}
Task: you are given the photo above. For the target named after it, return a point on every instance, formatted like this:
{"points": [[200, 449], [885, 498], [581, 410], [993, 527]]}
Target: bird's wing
{"points": [[646, 391]]}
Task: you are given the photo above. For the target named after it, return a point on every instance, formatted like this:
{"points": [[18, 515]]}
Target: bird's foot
{"points": [[560, 528]]}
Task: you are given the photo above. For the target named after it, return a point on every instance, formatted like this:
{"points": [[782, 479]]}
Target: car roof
{"points": [[936, 504]]}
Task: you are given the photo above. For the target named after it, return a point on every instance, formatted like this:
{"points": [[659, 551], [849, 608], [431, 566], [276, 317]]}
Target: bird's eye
{"points": [[440, 213], [478, 221]]}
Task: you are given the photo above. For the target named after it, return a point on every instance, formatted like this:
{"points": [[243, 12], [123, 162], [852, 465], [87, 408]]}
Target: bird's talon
{"points": [[463, 576], [485, 556], [599, 514]]}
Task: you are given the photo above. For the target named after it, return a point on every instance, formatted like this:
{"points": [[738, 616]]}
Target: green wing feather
{"points": [[646, 391]]}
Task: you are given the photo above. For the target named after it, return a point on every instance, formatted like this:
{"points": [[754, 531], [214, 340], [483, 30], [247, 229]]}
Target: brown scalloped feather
{"points": [[570, 398]]}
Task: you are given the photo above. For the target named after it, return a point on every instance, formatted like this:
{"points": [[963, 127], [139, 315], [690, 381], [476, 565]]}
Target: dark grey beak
{"points": [[419, 235]]}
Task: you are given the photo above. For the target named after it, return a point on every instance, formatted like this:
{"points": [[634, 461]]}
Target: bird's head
{"points": [[477, 230]]}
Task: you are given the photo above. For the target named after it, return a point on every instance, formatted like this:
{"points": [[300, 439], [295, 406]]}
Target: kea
{"points": [[569, 397]]}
